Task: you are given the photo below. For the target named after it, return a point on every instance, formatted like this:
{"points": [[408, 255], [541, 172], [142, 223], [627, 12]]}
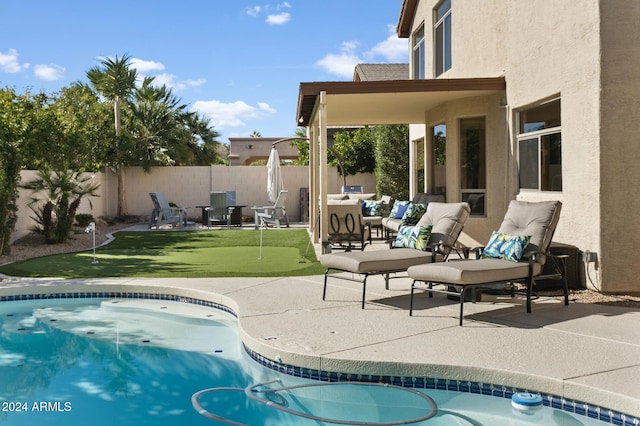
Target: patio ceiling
{"points": [[352, 103]]}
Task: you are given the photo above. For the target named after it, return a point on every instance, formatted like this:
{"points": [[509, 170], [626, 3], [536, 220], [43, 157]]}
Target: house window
{"points": [[419, 161], [442, 37], [439, 159], [540, 147], [419, 55], [473, 164]]}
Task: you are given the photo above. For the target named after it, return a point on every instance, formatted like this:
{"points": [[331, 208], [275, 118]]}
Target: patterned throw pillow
{"points": [[372, 208], [413, 214], [504, 246], [415, 237], [398, 209]]}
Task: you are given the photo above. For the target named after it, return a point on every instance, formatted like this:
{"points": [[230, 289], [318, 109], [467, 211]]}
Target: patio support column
{"points": [[412, 169], [314, 192], [322, 133]]}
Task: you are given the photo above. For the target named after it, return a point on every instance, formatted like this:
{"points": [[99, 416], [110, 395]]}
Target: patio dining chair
{"points": [[516, 253]]}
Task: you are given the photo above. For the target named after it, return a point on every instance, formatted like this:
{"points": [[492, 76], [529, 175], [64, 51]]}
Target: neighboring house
{"points": [[244, 151], [375, 72], [532, 100]]}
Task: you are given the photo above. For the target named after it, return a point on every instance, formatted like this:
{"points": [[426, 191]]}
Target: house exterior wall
{"points": [[619, 166], [583, 52]]}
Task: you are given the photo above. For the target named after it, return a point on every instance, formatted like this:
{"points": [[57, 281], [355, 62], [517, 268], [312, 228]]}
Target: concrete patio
{"points": [[582, 352]]}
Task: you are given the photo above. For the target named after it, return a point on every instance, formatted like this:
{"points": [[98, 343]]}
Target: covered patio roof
{"points": [[351, 103], [357, 103]]}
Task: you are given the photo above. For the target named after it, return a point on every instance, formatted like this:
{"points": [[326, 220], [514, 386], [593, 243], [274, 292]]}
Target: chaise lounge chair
{"points": [[272, 214], [446, 221], [516, 253]]}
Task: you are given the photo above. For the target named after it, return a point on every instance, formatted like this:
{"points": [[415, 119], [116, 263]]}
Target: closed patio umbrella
{"points": [[274, 176]]}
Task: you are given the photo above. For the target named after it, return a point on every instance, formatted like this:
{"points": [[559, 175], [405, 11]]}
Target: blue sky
{"points": [[238, 62]]}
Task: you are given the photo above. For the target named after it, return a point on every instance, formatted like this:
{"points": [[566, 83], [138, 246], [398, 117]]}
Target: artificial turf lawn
{"points": [[188, 254]]}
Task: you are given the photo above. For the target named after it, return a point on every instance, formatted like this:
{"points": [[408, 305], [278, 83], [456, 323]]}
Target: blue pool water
{"points": [[151, 362]]}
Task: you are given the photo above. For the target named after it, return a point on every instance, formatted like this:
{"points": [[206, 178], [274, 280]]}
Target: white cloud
{"points": [[274, 16], [253, 11], [233, 114], [169, 80], [279, 19], [9, 62], [144, 67], [49, 72], [343, 63], [393, 49]]}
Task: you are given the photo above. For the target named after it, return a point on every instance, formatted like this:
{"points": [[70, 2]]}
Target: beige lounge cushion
{"points": [[447, 220], [538, 219], [372, 220], [337, 197], [376, 261], [360, 196], [391, 223], [472, 271]]}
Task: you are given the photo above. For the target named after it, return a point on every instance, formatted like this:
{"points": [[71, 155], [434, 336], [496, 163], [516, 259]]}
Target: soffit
{"points": [[407, 14], [352, 103]]}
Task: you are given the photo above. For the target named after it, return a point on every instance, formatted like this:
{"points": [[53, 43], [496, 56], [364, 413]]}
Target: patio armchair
{"points": [[516, 253], [274, 214], [347, 229], [163, 213], [444, 222]]}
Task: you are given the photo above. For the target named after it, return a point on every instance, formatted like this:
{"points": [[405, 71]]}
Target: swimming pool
{"points": [[132, 361]]}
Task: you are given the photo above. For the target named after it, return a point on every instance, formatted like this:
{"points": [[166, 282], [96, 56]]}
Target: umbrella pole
{"points": [[262, 226]]}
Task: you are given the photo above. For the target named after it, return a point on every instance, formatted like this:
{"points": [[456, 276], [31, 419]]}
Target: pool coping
{"points": [[557, 393]]}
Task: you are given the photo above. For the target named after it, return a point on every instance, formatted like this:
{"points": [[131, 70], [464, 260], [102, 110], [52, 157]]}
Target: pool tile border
{"points": [[490, 389]]}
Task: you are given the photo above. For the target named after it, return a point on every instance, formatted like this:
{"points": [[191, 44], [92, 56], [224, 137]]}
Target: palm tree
{"points": [[155, 120], [115, 80], [61, 193]]}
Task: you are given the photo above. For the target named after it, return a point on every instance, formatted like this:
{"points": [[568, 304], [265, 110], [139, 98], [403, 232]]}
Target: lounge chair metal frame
{"points": [[386, 273], [533, 258], [439, 251]]}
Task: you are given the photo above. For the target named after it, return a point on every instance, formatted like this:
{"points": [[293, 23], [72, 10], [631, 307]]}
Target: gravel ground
{"points": [[33, 246]]}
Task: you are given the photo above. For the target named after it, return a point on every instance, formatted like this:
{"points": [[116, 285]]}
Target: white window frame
{"points": [[419, 54], [444, 51], [538, 135]]}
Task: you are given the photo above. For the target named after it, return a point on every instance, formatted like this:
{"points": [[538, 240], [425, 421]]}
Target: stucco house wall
{"points": [[583, 52], [619, 142]]}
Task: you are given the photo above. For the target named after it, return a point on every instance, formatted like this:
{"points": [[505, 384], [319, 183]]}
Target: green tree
{"points": [[302, 145], [153, 121], [57, 211], [392, 159], [12, 129], [353, 152], [202, 142], [115, 80]]}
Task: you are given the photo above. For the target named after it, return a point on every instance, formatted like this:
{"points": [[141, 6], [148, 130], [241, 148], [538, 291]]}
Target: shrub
{"points": [[84, 219]]}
